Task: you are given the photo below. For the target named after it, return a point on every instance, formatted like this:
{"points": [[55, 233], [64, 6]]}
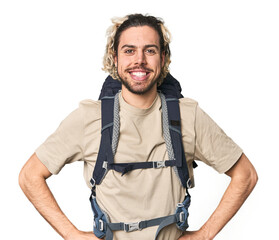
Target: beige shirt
{"points": [[144, 193]]}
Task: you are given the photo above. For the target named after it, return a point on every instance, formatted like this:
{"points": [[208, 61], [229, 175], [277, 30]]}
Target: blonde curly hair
{"points": [[135, 20]]}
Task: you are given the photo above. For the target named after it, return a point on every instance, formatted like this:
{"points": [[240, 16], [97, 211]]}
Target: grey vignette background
{"points": [[225, 54]]}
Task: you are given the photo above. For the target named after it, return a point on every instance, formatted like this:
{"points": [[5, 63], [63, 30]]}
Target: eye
{"points": [[150, 51], [129, 51]]}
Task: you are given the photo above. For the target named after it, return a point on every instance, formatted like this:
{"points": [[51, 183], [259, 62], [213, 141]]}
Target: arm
{"points": [[243, 180], [32, 180]]}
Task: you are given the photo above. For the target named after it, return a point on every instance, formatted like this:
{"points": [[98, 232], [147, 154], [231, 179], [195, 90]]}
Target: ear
{"points": [[163, 55], [115, 59]]}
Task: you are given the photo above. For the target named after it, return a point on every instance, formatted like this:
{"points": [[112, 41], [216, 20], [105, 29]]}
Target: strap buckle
{"points": [[159, 164], [101, 225], [92, 182], [105, 165], [181, 217], [129, 227], [180, 205]]}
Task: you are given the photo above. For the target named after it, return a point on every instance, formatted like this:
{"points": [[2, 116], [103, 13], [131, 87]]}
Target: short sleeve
{"points": [[64, 145], [213, 146]]}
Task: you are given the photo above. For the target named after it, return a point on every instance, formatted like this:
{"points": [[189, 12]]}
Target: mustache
{"points": [[139, 68]]}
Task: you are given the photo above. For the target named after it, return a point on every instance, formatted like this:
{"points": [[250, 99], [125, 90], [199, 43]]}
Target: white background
{"points": [[225, 54]]}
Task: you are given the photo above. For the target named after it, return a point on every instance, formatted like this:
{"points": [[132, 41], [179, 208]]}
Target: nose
{"points": [[140, 58]]}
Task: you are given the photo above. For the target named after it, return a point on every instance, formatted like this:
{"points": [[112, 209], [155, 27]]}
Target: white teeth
{"points": [[139, 74]]}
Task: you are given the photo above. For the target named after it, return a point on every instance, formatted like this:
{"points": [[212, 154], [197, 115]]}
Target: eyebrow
{"points": [[145, 46]]}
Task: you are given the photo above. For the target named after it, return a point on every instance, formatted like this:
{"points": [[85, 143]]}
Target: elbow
{"points": [[250, 180], [31, 173], [22, 179], [253, 179], [25, 178], [246, 174], [245, 179]]}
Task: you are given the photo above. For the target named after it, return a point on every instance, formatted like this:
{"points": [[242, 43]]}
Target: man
{"points": [[138, 55]]}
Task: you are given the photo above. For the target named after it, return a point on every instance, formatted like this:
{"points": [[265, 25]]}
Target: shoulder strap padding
{"points": [[105, 151], [176, 138]]}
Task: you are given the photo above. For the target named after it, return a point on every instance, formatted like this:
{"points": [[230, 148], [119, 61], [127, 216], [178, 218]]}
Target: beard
{"points": [[137, 88]]}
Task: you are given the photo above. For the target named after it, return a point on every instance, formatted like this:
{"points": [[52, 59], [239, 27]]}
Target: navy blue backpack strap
{"points": [[110, 87], [176, 139], [105, 155], [171, 87]]}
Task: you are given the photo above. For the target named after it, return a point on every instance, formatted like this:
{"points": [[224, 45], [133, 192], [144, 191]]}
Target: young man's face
{"points": [[139, 61]]}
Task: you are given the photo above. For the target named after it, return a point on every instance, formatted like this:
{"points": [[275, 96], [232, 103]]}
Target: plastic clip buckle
{"points": [[92, 182], [105, 165], [159, 164], [101, 225], [181, 217], [129, 227], [180, 205]]}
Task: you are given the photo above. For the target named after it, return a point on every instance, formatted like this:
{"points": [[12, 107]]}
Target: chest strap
{"points": [[127, 167]]}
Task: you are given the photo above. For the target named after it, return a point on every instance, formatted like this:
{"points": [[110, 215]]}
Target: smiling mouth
{"points": [[139, 74]]}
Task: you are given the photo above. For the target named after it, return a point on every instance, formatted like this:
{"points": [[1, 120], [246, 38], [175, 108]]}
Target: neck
{"points": [[143, 101]]}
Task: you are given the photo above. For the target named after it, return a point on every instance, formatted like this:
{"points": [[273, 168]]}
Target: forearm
{"points": [[39, 194], [233, 198], [243, 180]]}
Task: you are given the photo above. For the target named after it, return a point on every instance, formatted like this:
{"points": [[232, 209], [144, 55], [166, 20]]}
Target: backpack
{"points": [[169, 92]]}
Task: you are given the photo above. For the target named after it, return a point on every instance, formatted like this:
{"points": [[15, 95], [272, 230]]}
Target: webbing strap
{"points": [[167, 221], [127, 167], [116, 124], [129, 227], [166, 131]]}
